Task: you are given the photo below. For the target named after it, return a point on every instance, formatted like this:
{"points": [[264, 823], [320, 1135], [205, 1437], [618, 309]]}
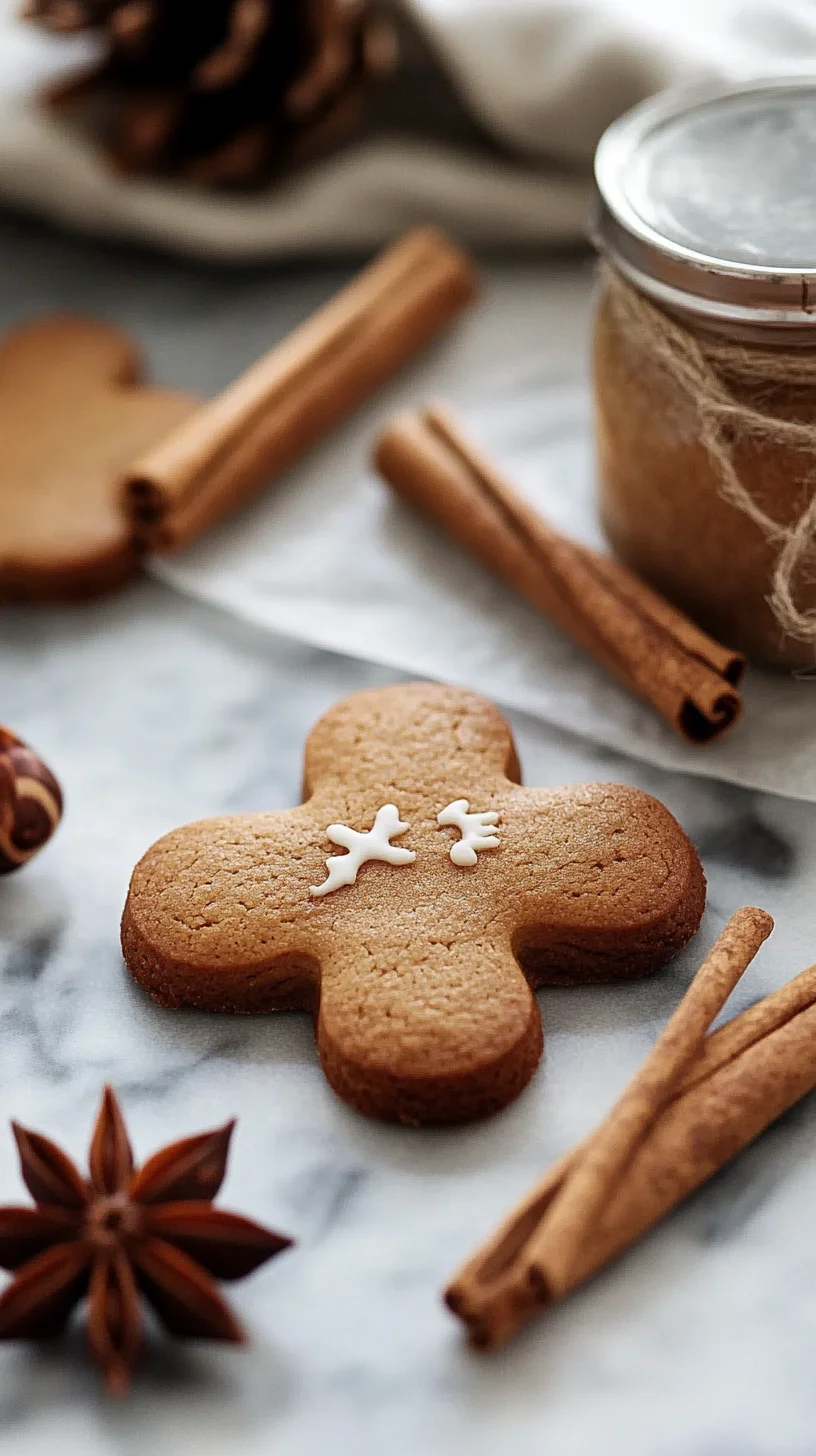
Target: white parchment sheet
{"points": [[330, 557]]}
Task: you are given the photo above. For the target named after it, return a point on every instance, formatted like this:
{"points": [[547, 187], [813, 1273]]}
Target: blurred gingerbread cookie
{"points": [[30, 803], [73, 416]]}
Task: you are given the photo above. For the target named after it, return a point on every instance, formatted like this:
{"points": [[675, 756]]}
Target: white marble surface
{"points": [[698, 1344], [156, 710]]}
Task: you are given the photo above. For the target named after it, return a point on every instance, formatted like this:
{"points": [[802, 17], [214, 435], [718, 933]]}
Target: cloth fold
{"points": [[535, 81]]}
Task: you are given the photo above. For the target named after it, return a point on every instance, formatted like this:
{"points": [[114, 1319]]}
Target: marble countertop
{"points": [[156, 710]]}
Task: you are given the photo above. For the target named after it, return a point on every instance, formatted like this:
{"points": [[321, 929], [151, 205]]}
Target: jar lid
{"points": [[707, 200]]}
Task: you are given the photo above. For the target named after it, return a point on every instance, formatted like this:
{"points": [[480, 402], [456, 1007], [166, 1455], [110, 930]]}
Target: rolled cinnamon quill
{"points": [[556, 1250], [628, 628], [316, 377], [749, 1072]]}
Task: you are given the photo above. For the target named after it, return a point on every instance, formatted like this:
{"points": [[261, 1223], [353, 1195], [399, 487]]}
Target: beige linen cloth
{"points": [[491, 128]]}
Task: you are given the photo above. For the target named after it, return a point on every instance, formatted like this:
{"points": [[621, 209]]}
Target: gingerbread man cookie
{"points": [[73, 417], [420, 964]]}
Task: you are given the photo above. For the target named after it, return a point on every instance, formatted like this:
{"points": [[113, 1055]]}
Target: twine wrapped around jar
{"points": [[703, 370]]}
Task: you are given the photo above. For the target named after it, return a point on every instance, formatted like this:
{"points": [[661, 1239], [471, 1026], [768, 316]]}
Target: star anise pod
{"points": [[123, 1232]]}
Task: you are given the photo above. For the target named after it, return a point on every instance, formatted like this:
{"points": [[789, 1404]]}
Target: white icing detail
{"points": [[475, 831], [374, 843]]}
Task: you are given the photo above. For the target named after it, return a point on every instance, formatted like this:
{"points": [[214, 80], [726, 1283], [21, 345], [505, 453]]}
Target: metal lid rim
{"points": [[643, 252]]}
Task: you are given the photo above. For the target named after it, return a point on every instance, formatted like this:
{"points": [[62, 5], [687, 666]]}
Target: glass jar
{"points": [[705, 358]]}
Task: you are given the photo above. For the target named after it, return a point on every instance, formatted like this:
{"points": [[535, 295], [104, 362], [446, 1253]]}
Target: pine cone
{"points": [[224, 92]]}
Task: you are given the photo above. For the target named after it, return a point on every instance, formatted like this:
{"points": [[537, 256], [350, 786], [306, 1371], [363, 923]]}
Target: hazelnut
{"points": [[30, 803]]}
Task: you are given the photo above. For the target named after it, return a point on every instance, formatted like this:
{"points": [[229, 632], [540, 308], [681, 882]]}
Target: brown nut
{"points": [[30, 803]]}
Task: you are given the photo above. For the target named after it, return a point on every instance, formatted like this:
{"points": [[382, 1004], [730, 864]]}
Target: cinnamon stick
{"points": [[729, 1041], [316, 377], [610, 613], [749, 1073], [555, 1250]]}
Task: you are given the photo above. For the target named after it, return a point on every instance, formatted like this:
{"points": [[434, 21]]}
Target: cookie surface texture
{"points": [[420, 969], [73, 417]]}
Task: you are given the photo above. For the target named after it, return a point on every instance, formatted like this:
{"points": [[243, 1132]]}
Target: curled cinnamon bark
{"points": [[748, 1073], [628, 628], [282, 405], [555, 1249]]}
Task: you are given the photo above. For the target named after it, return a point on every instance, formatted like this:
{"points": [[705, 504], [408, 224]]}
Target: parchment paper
{"points": [[328, 556]]}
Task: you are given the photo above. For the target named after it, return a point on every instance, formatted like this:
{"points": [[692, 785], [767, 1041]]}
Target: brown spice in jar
{"points": [[745, 569]]}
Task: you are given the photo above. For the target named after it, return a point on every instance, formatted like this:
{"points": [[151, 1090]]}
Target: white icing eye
{"points": [[374, 843], [475, 829]]}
